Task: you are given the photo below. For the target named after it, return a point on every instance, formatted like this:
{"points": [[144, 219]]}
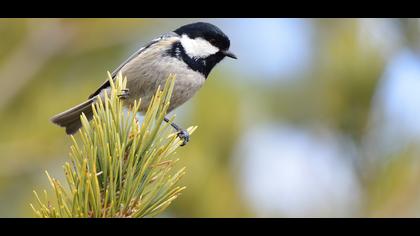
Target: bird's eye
{"points": [[212, 41]]}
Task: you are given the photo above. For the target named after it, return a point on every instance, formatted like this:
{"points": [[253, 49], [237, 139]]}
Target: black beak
{"points": [[229, 54]]}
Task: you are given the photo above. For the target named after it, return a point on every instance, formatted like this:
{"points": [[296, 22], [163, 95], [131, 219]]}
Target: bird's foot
{"points": [[185, 136], [124, 94]]}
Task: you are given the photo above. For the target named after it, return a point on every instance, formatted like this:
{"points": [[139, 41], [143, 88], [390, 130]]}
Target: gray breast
{"points": [[150, 69]]}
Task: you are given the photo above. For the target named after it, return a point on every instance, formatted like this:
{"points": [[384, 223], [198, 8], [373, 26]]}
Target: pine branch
{"points": [[119, 168]]}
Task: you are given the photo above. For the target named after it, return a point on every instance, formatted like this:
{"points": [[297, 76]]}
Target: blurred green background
{"points": [[317, 117]]}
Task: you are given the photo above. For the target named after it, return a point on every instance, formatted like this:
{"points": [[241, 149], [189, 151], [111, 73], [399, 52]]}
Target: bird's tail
{"points": [[70, 119]]}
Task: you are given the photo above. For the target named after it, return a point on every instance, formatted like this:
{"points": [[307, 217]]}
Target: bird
{"points": [[189, 52]]}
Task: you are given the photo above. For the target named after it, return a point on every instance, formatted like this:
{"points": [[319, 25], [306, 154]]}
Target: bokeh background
{"points": [[317, 117]]}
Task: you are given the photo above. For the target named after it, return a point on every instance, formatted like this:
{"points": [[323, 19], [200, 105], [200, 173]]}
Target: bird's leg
{"points": [[182, 133], [124, 94]]}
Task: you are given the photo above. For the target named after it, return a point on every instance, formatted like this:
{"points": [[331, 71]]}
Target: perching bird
{"points": [[189, 52]]}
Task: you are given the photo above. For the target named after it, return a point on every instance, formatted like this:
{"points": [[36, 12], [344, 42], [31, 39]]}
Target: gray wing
{"points": [[134, 55]]}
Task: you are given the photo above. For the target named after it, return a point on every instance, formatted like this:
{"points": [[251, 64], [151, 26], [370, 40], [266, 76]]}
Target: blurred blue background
{"points": [[317, 117]]}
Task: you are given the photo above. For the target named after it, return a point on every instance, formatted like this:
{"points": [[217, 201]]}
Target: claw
{"points": [[124, 94], [185, 136]]}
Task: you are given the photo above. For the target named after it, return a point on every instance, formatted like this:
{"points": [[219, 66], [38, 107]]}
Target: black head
{"points": [[207, 31], [201, 46]]}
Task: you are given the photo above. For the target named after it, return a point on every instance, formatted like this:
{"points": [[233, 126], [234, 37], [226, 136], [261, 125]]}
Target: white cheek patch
{"points": [[198, 47]]}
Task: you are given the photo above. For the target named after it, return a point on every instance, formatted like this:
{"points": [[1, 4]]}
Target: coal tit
{"points": [[190, 52]]}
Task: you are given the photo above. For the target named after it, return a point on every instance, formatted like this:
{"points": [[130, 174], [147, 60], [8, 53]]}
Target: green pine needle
{"points": [[116, 168]]}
